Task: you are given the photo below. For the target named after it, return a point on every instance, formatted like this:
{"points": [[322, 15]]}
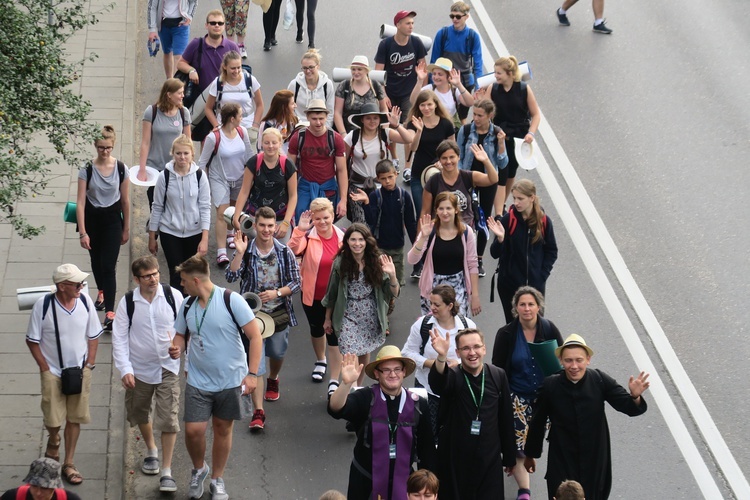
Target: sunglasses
{"points": [[456, 16], [216, 23]]}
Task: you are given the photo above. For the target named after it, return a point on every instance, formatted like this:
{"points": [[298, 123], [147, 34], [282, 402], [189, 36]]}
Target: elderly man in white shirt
{"points": [[141, 335]]}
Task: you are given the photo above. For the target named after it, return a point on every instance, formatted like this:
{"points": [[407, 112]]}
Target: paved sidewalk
{"points": [[109, 84]]}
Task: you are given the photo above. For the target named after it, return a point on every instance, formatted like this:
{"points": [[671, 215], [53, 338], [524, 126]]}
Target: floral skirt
{"points": [[522, 409], [458, 284]]}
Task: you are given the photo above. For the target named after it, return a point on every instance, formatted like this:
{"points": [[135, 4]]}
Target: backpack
{"points": [[258, 163], [247, 72], [383, 133], [467, 131], [379, 198], [457, 123], [90, 172], [217, 135], [424, 330], [301, 140], [23, 492], [130, 305], [432, 237], [227, 302], [297, 86], [154, 108], [198, 173], [48, 301], [469, 42], [513, 222]]}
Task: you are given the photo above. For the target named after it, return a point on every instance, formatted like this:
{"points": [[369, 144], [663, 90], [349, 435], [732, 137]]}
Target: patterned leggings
{"points": [[235, 13]]}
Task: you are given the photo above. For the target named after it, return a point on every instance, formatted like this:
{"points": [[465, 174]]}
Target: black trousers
{"points": [[104, 227], [177, 250]]}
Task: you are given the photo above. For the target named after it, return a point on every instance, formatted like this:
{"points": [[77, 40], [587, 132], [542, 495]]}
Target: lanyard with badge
{"points": [[476, 424], [203, 318]]}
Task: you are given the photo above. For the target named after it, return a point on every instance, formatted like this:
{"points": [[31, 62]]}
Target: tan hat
{"points": [[441, 63], [574, 340], [68, 272], [316, 106], [390, 353], [361, 62], [429, 172], [266, 324]]}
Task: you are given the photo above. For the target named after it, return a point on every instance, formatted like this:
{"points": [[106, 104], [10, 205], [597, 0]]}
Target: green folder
{"points": [[544, 354]]}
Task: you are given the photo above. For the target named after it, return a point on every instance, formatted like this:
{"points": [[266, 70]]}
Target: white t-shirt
{"points": [[77, 327], [446, 98], [233, 154], [373, 147], [238, 94]]}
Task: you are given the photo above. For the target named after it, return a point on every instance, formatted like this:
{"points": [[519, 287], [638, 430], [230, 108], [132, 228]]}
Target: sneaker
{"points": [[222, 260], [601, 28], [397, 165], [482, 273], [259, 420], [299, 36], [109, 318], [218, 492], [167, 484], [562, 18], [99, 304], [272, 390], [310, 46], [266, 46], [243, 52], [274, 42], [416, 273], [150, 466], [196, 482], [407, 175]]}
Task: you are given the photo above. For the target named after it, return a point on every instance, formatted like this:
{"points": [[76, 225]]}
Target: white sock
{"points": [[203, 469], [213, 480], [153, 453], [166, 471], [562, 11], [322, 360], [230, 233], [221, 251], [597, 22]]}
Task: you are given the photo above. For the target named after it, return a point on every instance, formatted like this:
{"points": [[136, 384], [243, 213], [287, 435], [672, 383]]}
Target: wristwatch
{"points": [[90, 367], [278, 292]]}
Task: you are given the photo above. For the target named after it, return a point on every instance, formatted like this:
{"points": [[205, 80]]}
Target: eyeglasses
{"points": [[216, 23], [77, 285], [471, 348], [389, 371], [456, 16], [105, 148], [309, 68], [152, 276]]}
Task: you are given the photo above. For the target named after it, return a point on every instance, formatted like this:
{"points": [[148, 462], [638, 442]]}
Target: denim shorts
{"points": [[274, 347], [174, 40]]}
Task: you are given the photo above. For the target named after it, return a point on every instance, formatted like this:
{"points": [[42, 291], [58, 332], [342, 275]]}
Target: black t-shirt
{"points": [[269, 186], [478, 166], [11, 495], [428, 143], [400, 62], [461, 188], [448, 256]]}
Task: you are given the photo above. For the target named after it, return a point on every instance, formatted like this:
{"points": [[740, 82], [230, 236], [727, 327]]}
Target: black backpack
{"points": [[227, 302], [130, 305], [424, 330], [90, 172], [48, 301], [198, 173]]}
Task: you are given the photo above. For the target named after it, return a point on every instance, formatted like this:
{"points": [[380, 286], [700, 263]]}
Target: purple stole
{"points": [[381, 438]]}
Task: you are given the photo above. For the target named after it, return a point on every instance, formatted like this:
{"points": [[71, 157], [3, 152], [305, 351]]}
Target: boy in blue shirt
{"points": [[388, 210]]}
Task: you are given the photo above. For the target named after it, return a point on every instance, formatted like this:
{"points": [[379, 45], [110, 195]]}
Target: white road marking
{"points": [[702, 419]]}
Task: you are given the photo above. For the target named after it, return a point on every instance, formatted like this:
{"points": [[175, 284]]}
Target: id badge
{"points": [[392, 451], [476, 426]]}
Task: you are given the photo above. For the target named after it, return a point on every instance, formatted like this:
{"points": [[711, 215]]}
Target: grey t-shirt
{"points": [[164, 130], [103, 191]]}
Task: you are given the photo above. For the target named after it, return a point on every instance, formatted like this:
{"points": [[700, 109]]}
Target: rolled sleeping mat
{"points": [[387, 30], [69, 214], [27, 297], [488, 79], [341, 74], [253, 300], [247, 222]]}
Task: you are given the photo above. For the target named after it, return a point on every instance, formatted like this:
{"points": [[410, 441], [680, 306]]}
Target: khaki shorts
{"points": [[166, 398], [57, 407]]}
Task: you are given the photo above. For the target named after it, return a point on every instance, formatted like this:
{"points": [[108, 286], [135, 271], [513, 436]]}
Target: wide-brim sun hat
{"points": [[369, 108], [151, 175], [574, 340], [390, 353], [525, 154], [360, 62], [316, 106], [267, 326], [441, 63], [429, 172]]}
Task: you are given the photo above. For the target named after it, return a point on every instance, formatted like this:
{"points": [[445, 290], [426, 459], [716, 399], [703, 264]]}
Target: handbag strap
{"points": [[57, 331]]}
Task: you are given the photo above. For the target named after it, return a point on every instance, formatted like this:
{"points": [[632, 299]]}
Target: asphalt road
{"points": [[654, 120]]}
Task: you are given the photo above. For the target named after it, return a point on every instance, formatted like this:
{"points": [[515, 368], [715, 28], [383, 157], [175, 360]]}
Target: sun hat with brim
{"points": [[429, 172], [525, 154], [574, 340], [44, 473], [403, 14], [390, 353], [441, 63], [316, 106], [151, 175], [368, 109], [266, 324], [360, 62], [68, 272]]}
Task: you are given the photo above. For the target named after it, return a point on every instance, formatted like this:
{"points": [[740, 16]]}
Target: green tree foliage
{"points": [[38, 107]]}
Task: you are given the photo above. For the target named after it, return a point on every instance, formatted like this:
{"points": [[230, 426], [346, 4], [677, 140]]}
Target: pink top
{"points": [[311, 249]]}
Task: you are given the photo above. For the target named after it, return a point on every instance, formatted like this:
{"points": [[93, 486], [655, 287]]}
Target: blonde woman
{"points": [[311, 83], [353, 94]]}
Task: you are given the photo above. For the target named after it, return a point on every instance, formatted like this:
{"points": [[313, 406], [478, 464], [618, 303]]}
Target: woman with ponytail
{"points": [[353, 94]]}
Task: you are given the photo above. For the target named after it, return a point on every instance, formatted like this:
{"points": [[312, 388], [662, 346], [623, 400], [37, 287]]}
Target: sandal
{"points": [[332, 386], [53, 450], [319, 371], [71, 474]]}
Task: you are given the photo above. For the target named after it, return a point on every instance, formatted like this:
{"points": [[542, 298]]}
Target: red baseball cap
{"points": [[403, 14]]}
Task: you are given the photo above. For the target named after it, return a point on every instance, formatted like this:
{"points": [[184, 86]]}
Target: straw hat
{"points": [[441, 63], [574, 340], [429, 172], [361, 62], [316, 106], [266, 324], [390, 353]]}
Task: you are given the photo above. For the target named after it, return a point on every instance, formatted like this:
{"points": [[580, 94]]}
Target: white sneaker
{"points": [[218, 492], [243, 52], [407, 175]]}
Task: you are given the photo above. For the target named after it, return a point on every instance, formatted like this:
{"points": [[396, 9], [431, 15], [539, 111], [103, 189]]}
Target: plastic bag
{"points": [[289, 12]]}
